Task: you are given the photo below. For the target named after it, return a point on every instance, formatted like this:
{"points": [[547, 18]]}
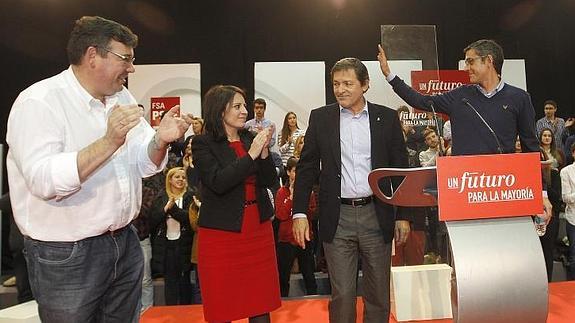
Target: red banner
{"points": [[489, 186], [432, 82], [436, 82], [159, 106]]}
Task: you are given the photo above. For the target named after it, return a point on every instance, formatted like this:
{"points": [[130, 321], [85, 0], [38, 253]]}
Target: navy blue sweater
{"points": [[509, 113]]}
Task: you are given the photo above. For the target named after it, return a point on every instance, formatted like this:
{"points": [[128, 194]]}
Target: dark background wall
{"points": [[227, 37]]}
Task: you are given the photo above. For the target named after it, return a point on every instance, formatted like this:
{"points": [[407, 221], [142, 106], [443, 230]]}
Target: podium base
{"points": [[500, 271]]}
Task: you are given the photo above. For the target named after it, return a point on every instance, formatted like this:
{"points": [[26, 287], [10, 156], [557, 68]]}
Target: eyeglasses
{"points": [[126, 58], [471, 60]]}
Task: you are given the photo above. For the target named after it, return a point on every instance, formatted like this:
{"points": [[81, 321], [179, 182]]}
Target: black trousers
{"points": [[178, 287], [286, 255]]}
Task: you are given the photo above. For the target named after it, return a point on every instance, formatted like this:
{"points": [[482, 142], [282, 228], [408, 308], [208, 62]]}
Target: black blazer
{"points": [[222, 177], [322, 147]]}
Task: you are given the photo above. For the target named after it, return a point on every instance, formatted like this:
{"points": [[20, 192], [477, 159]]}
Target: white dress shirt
{"points": [[50, 122], [355, 141], [568, 192]]}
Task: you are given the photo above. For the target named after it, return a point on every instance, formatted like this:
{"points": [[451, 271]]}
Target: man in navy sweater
{"points": [[505, 108]]}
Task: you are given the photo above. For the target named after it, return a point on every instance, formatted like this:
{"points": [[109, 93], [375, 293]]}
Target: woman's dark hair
{"points": [[216, 100], [285, 129], [552, 147]]}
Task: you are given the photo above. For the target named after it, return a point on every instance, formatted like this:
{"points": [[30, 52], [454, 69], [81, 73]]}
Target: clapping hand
{"points": [[122, 119], [261, 141], [172, 127], [169, 205]]}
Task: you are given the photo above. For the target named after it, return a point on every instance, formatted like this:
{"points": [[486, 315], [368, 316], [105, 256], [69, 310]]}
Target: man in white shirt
{"points": [[429, 156], [79, 148], [259, 121], [568, 196], [552, 121]]}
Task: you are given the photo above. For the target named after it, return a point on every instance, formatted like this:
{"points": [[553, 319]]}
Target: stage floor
{"points": [[314, 310]]}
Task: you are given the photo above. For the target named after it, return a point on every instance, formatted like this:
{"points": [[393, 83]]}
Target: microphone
{"points": [[499, 149], [439, 131]]}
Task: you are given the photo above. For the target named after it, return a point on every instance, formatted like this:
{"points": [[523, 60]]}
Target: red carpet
{"points": [[561, 310]]}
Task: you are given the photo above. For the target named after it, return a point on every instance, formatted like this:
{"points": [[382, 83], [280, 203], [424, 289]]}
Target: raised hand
{"points": [[383, 65], [186, 161], [270, 130]]}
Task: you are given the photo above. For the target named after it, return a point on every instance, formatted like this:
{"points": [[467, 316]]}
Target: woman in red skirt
{"points": [[236, 255]]}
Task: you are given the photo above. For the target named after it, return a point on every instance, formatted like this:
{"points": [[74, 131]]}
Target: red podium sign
{"points": [[489, 186]]}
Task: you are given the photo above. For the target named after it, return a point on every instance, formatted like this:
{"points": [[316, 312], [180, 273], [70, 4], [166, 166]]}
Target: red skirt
{"points": [[238, 270]]}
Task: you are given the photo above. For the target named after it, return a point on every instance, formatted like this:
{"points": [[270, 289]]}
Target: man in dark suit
{"points": [[343, 143]]}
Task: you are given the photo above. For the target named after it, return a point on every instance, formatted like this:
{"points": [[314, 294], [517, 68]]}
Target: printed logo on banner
{"points": [[159, 106], [432, 83], [489, 186], [437, 82]]}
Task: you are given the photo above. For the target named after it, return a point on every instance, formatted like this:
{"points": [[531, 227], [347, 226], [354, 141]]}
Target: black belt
{"points": [[250, 202], [114, 232], [357, 201]]}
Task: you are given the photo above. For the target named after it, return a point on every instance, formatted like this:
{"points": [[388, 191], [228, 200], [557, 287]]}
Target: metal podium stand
{"points": [[499, 265]]}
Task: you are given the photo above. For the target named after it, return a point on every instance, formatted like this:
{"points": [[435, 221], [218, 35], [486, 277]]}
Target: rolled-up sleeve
{"points": [[36, 139]]}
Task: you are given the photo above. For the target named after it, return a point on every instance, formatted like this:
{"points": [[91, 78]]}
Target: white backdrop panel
{"points": [[513, 72], [160, 80], [380, 91], [290, 86]]}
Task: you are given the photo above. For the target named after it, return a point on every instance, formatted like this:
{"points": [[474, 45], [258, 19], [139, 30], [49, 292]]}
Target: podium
{"points": [[486, 202]]}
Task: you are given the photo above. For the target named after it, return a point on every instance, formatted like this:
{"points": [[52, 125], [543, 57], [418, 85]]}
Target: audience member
{"points": [[151, 188], [186, 162], [197, 125], [298, 146], [568, 194], [548, 144], [289, 134], [553, 179], [288, 250], [428, 157], [259, 122], [16, 242], [554, 123], [172, 237], [412, 128], [411, 253], [194, 214]]}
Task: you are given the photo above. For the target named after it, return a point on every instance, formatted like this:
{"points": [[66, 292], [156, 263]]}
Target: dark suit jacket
{"points": [[322, 147], [222, 177]]}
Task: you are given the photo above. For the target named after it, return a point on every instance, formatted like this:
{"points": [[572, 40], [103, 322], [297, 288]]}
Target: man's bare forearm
{"points": [[93, 156]]}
